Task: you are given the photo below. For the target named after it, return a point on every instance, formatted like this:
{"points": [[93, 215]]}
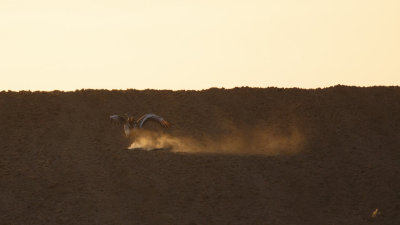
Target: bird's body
{"points": [[130, 123], [127, 130]]}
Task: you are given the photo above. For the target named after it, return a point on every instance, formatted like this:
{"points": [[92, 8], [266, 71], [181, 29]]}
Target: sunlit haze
{"points": [[68, 45]]}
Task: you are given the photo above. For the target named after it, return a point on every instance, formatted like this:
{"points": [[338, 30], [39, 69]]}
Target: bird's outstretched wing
{"points": [[118, 119], [155, 117]]}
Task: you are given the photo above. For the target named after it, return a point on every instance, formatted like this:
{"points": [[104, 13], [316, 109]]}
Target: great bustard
{"points": [[130, 123]]}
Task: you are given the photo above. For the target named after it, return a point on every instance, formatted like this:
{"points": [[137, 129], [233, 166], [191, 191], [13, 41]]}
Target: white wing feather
{"points": [[159, 119], [118, 118]]}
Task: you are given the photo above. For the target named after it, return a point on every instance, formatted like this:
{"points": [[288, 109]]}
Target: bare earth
{"points": [[239, 156]]}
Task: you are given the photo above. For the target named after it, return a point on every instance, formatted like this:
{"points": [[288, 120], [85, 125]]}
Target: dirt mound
{"points": [[239, 156]]}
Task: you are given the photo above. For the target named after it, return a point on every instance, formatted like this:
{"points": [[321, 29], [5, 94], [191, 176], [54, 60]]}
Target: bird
{"points": [[130, 123]]}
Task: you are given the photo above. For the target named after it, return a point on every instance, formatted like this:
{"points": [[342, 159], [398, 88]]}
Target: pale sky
{"points": [[197, 44]]}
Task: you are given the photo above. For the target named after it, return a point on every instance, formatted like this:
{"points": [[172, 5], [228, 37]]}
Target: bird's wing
{"points": [[118, 119], [155, 117]]}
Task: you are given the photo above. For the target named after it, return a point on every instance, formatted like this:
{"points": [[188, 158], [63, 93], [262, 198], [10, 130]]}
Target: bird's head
{"points": [[131, 120]]}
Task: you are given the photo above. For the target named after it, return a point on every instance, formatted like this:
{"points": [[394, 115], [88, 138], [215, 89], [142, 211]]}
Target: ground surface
{"points": [[63, 162]]}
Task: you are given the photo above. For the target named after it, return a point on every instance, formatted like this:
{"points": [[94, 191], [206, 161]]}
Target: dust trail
{"points": [[258, 141]]}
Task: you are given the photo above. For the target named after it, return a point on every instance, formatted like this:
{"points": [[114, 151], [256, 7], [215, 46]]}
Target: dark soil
{"points": [[63, 162]]}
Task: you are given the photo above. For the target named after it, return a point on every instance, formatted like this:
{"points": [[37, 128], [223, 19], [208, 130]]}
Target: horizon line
{"points": [[204, 89]]}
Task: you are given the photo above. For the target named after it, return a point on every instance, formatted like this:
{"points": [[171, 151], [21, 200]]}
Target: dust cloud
{"points": [[253, 141]]}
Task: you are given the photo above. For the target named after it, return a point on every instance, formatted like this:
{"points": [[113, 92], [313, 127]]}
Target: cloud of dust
{"points": [[254, 141]]}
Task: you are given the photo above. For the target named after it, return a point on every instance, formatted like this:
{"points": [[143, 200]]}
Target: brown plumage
{"points": [[130, 123]]}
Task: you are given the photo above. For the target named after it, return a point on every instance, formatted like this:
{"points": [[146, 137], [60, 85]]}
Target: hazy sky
{"points": [[196, 44]]}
